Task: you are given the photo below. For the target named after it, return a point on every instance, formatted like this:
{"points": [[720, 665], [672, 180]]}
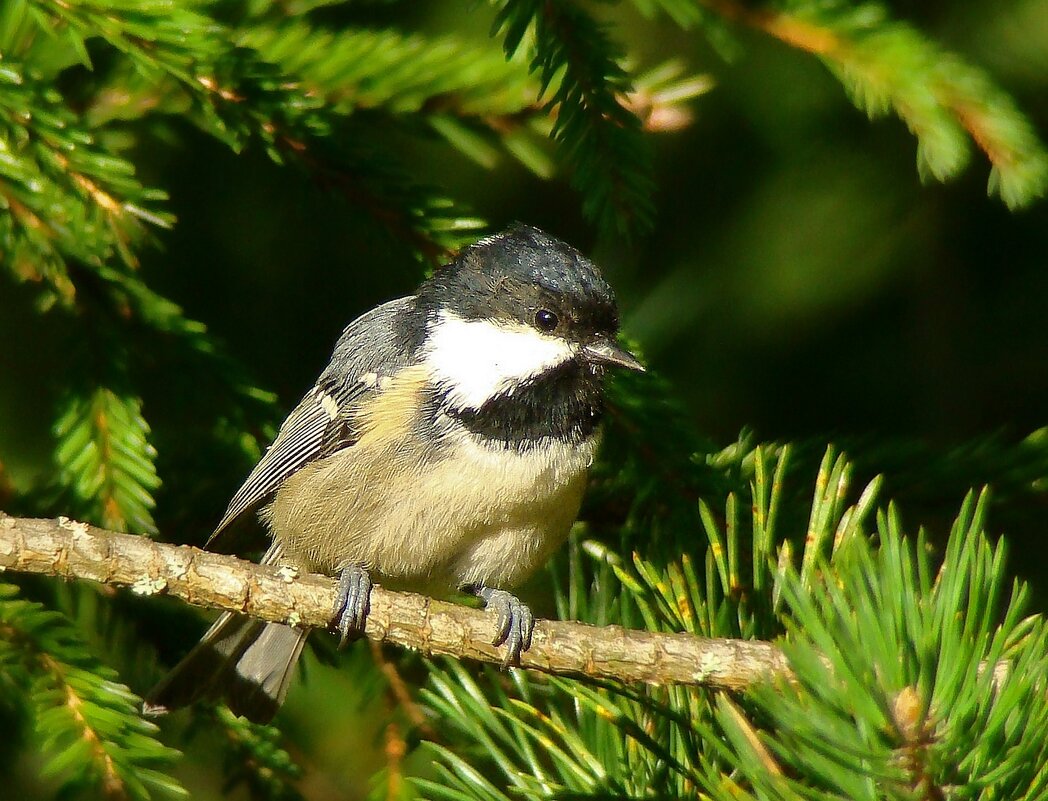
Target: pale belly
{"points": [[482, 515]]}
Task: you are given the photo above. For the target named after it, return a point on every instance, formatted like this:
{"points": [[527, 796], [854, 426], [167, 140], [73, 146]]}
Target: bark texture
{"points": [[75, 550]]}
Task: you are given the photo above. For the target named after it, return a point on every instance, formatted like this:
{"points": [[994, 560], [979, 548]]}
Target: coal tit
{"points": [[445, 446]]}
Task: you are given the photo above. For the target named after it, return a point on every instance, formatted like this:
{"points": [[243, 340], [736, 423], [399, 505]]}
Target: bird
{"points": [[445, 446]]}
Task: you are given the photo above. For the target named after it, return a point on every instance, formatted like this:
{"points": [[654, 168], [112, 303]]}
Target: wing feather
{"points": [[301, 436], [319, 425]]}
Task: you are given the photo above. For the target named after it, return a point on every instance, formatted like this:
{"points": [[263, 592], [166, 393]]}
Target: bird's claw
{"points": [[352, 603], [515, 623]]}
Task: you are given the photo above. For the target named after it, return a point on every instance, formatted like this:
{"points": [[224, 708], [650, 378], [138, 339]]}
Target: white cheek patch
{"points": [[474, 360]]}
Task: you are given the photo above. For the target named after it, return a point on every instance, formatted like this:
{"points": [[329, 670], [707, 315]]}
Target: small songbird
{"points": [[445, 446]]}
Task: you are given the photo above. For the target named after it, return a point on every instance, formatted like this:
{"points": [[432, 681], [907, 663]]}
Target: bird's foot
{"points": [[515, 623], [353, 602]]}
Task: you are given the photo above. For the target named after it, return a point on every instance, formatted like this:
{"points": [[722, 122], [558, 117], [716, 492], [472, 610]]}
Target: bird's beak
{"points": [[605, 351]]}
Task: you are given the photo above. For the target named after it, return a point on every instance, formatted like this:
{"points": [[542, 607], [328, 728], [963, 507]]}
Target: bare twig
{"points": [[401, 695], [76, 550]]}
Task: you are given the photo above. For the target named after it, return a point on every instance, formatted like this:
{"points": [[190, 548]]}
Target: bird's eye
{"points": [[545, 320]]}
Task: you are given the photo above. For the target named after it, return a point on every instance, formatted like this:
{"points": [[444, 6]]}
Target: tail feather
{"points": [[264, 671], [242, 660]]}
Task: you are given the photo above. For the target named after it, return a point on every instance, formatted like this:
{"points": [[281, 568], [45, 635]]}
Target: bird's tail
{"points": [[246, 662]]}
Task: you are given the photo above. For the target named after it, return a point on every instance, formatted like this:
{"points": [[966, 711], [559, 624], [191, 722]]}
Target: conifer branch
{"points": [[579, 64], [945, 102], [76, 550], [88, 725]]}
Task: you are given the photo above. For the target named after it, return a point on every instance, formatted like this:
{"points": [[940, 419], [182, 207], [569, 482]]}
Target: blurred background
{"points": [[800, 279]]}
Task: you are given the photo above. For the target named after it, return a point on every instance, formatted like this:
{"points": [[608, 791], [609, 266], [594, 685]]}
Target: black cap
{"points": [[519, 272]]}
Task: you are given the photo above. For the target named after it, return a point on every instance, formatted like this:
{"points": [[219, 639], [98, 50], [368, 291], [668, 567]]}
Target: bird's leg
{"points": [[353, 601], [515, 623]]}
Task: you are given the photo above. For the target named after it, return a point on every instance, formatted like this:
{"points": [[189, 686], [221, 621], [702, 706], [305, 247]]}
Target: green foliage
{"points": [[579, 65], [87, 723], [907, 676], [894, 649], [909, 671], [464, 93], [888, 66], [105, 460], [65, 197], [947, 104], [155, 36], [256, 758]]}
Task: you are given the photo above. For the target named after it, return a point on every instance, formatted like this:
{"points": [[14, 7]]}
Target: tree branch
{"points": [[76, 550]]}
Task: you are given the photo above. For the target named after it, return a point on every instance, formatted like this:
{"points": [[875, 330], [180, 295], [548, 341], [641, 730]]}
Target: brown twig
{"points": [[916, 731], [7, 487], [76, 550], [398, 689], [781, 25]]}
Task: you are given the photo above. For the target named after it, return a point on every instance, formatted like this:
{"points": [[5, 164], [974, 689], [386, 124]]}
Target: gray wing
{"points": [[372, 346]]}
